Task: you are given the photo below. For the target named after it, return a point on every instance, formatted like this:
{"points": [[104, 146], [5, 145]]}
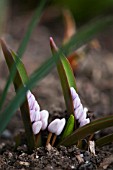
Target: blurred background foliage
{"points": [[82, 10]]}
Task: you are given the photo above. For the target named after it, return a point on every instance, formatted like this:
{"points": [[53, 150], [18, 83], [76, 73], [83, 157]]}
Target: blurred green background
{"points": [[83, 10]]}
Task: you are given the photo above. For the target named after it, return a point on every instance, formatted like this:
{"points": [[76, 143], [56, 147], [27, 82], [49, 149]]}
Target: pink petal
{"points": [[84, 122], [37, 127], [53, 126], [61, 125]]}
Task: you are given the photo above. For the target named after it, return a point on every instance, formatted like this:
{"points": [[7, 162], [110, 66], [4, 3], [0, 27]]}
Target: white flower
{"points": [[84, 122], [44, 115], [38, 118], [57, 126], [80, 113], [36, 126]]}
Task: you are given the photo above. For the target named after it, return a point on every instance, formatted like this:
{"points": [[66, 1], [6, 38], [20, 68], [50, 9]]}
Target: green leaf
{"points": [[20, 80], [22, 47], [104, 140], [79, 39], [15, 103], [34, 21], [66, 76], [69, 127], [86, 130]]}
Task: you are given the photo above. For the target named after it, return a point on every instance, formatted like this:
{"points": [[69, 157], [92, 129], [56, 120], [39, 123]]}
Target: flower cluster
{"points": [[80, 113], [38, 118]]}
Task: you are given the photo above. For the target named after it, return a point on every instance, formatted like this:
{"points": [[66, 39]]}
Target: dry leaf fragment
{"points": [[79, 158], [92, 147]]}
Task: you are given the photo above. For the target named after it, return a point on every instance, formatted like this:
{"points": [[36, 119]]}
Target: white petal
{"points": [[76, 102], [85, 109], [53, 126], [37, 127], [61, 125], [29, 94], [44, 123], [36, 106], [83, 116], [73, 93], [86, 121], [31, 101], [78, 112], [37, 116], [32, 115], [44, 114]]}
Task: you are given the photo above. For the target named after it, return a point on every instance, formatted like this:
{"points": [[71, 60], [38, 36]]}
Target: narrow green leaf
{"points": [[20, 80], [15, 103], [69, 127], [35, 19], [67, 78], [104, 140], [88, 129], [79, 39], [22, 47]]}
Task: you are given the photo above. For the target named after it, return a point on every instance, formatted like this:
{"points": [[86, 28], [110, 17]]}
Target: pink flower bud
{"points": [[79, 113], [56, 126], [35, 114], [37, 127]]}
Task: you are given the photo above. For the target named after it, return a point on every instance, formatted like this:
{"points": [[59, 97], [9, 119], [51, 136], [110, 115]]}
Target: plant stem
{"points": [[48, 138], [54, 139]]}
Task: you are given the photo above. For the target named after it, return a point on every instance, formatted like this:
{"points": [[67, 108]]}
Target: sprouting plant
{"points": [[70, 135], [34, 119]]}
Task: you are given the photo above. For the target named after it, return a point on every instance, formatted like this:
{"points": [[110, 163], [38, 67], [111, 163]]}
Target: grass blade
{"points": [[66, 76], [20, 80], [86, 33], [22, 48], [32, 25], [104, 140], [88, 129]]}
